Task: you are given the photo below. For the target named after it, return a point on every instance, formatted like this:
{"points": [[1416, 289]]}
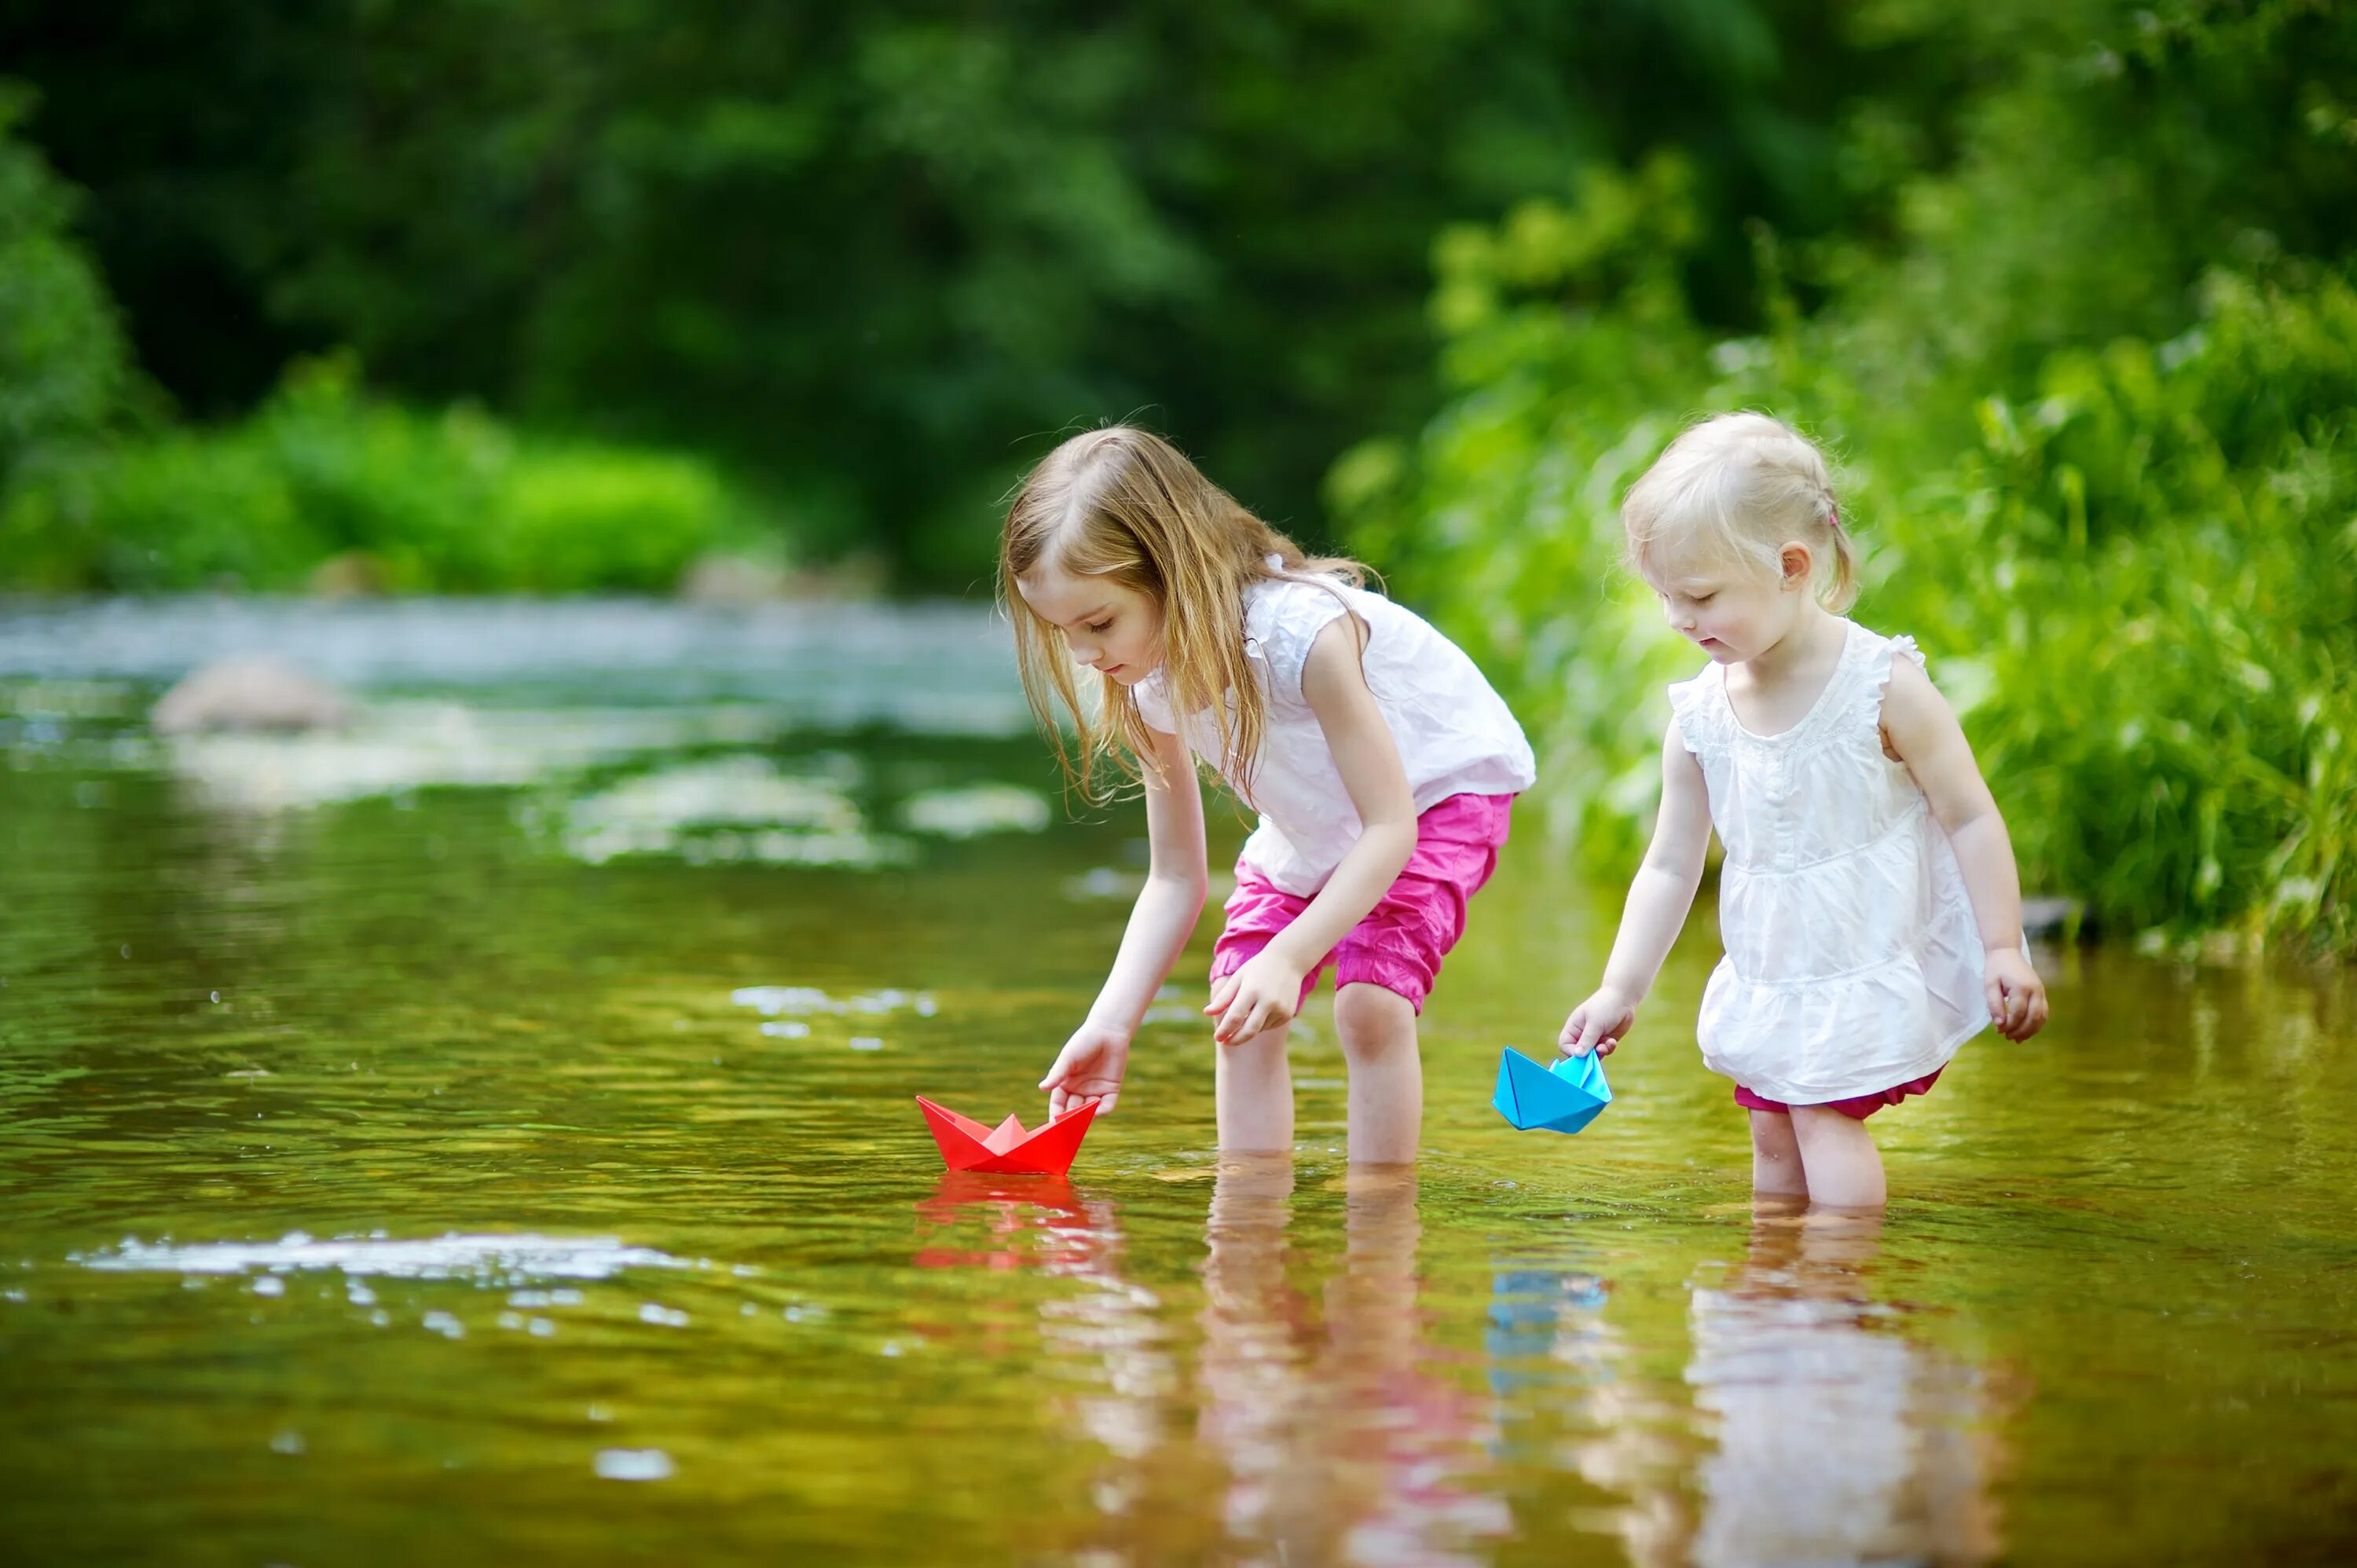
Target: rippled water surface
{"points": [[489, 1133]]}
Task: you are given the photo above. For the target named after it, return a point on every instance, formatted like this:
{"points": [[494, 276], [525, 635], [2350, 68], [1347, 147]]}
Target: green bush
{"points": [[2111, 488], [597, 518], [450, 502], [2169, 537]]}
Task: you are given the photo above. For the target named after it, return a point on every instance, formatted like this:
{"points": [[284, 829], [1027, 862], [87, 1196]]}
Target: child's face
{"points": [[1732, 610], [1109, 629]]}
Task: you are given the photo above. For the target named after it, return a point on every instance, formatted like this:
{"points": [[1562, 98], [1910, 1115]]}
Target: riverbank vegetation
{"points": [[2095, 389], [558, 297], [871, 260]]}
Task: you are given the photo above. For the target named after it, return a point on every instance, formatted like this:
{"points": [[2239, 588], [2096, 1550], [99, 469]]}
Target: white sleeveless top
{"points": [[1853, 960], [1455, 735]]}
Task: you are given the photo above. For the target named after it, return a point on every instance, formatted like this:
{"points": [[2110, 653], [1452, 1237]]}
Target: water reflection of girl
{"points": [[1840, 1440], [1569, 1397], [1340, 1446]]}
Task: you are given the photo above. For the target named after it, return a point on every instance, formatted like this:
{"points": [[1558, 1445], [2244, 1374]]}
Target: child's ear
{"points": [[1796, 564]]}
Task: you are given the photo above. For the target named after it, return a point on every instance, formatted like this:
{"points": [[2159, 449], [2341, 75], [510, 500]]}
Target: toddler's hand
{"points": [[1261, 995], [1597, 1023], [1088, 1068], [2017, 997]]}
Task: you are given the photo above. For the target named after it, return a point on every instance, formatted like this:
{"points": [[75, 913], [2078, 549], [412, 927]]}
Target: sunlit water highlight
{"points": [[487, 1260], [384, 1176]]}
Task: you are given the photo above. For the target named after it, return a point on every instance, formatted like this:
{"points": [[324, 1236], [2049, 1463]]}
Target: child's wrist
{"points": [[1121, 1027], [1283, 953]]}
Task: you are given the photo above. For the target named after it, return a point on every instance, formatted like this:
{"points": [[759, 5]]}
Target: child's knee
{"points": [[1375, 1024]]}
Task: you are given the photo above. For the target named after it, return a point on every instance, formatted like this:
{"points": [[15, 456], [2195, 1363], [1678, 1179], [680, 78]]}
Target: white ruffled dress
{"points": [[1853, 960]]}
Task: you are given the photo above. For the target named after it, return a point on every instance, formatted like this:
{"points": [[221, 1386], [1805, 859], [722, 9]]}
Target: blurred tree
{"points": [[181, 123], [63, 375], [881, 254], [65, 378]]}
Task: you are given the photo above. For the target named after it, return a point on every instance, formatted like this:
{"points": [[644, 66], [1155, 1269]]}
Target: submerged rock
{"points": [[253, 693], [353, 574], [728, 578]]}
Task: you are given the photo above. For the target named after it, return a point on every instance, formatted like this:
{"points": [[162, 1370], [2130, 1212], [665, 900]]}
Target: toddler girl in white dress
{"points": [[1868, 901]]}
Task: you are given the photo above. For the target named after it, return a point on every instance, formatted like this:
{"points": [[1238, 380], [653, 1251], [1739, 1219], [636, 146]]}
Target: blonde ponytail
{"points": [[1841, 592]]}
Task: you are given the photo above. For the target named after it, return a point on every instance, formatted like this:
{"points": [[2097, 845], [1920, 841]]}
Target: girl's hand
{"points": [[1088, 1068], [1598, 1023], [2017, 997], [1261, 995]]}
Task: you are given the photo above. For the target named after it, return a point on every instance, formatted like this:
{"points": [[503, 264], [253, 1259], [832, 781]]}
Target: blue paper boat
{"points": [[1562, 1101]]}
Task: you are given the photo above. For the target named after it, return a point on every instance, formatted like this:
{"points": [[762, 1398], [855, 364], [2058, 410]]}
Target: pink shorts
{"points": [[1400, 944], [1858, 1108]]}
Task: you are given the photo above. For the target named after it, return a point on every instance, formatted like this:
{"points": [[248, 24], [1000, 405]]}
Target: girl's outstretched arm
{"points": [[1658, 901], [1266, 991], [1922, 732], [1091, 1066]]}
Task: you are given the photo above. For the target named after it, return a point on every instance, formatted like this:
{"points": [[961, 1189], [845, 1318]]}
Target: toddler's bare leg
{"points": [[1254, 1091], [1776, 1157], [1844, 1169], [1378, 1030]]}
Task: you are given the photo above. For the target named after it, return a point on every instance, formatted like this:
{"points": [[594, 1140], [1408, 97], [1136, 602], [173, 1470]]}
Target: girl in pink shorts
{"points": [[1383, 766]]}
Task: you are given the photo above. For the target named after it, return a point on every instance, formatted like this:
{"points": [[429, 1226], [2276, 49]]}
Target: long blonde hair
{"points": [[1122, 504], [1741, 486]]}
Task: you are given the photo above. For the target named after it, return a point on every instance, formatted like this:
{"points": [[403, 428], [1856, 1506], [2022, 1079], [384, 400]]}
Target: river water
{"points": [[488, 1132]]}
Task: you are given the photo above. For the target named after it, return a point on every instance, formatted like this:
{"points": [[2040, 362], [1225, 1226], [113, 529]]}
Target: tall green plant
{"points": [[2110, 487]]}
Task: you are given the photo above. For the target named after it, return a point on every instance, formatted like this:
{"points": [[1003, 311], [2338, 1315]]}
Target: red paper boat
{"points": [[1006, 1149]]}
